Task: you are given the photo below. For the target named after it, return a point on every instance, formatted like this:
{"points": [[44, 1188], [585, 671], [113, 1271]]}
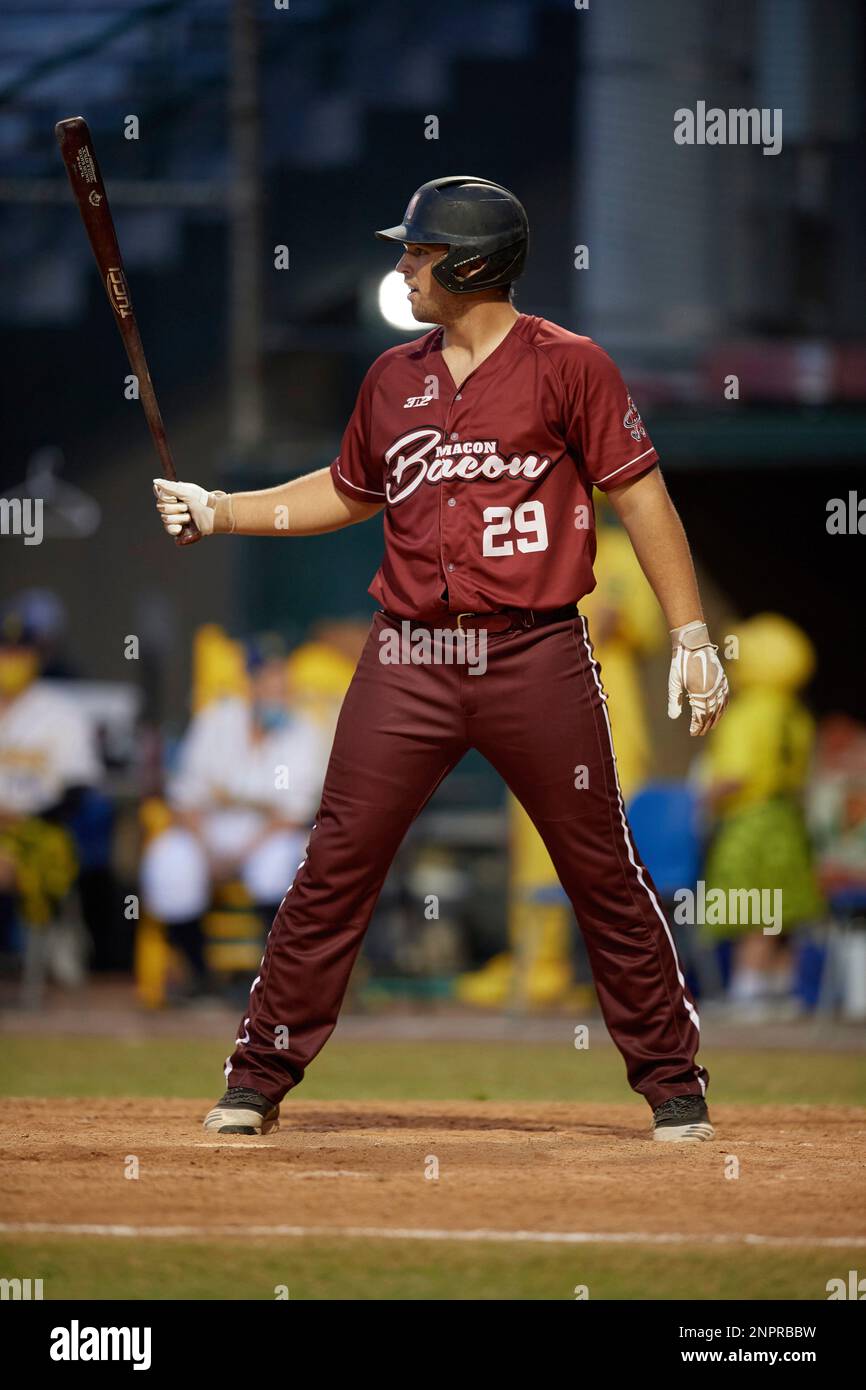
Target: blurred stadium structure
{"points": [[704, 261], [261, 127]]}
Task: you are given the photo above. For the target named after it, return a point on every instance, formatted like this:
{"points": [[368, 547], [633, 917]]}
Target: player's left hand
{"points": [[697, 672]]}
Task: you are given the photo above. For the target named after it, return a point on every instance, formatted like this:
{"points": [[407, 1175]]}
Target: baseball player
{"points": [[481, 441]]}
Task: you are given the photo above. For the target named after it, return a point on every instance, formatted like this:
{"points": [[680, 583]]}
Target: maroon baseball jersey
{"points": [[488, 489]]}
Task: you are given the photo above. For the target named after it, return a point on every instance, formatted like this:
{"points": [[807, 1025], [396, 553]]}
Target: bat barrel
{"points": [[76, 147]]}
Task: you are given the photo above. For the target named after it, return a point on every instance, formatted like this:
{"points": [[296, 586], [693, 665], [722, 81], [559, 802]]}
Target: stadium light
{"points": [[394, 304]]}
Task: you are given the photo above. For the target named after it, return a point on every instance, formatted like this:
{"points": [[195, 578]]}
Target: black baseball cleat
{"points": [[682, 1120], [243, 1111]]}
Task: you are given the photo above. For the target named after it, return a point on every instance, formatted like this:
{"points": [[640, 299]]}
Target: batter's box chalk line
{"points": [[411, 1233]]}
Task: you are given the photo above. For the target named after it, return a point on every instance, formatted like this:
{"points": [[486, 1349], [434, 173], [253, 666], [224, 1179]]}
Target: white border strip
{"points": [[413, 1233], [599, 481], [349, 483]]}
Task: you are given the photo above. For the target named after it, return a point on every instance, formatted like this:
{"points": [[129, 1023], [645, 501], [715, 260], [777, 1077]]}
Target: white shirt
{"points": [[220, 764], [46, 747]]}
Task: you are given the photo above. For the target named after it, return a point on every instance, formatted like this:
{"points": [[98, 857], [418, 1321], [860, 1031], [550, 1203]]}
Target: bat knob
{"points": [[189, 535]]}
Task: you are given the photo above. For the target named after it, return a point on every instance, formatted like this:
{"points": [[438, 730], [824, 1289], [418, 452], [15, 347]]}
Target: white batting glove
{"points": [[697, 672], [178, 503]]}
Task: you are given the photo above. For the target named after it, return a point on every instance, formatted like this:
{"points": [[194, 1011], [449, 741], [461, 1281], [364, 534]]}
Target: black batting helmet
{"points": [[475, 218]]}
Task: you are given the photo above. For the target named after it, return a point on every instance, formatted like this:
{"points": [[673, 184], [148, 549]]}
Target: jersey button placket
{"points": [[444, 499]]}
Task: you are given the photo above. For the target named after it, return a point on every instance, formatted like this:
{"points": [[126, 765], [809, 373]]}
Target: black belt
{"points": [[505, 620]]}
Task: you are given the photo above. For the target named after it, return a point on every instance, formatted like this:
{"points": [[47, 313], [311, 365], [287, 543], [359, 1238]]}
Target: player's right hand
{"points": [[179, 503]]}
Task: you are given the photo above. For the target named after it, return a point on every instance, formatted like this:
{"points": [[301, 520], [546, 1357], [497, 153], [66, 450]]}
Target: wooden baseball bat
{"points": [[76, 147]]}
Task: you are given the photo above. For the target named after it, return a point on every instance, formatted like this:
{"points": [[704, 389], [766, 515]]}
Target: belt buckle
{"points": [[460, 616]]}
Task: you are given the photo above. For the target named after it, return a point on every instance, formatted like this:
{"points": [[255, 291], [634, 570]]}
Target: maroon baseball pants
{"points": [[538, 714]]}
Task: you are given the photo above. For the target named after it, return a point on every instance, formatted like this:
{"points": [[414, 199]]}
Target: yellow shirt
{"points": [[764, 742]]}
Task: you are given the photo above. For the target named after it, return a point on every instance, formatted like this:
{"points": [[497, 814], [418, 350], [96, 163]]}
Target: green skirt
{"points": [[765, 847]]}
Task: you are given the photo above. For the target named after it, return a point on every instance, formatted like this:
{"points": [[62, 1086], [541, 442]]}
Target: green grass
{"points": [[369, 1269], [503, 1071]]}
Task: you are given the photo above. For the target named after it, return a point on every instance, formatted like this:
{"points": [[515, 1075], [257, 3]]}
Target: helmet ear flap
{"points": [[464, 269], [451, 271], [498, 268]]}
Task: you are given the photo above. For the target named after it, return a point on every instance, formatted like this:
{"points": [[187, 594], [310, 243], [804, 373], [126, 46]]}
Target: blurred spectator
{"points": [[243, 798], [321, 669], [755, 769], [47, 760], [836, 806], [43, 613]]}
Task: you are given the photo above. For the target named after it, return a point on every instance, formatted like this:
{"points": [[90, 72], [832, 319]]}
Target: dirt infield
{"points": [[341, 1167]]}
